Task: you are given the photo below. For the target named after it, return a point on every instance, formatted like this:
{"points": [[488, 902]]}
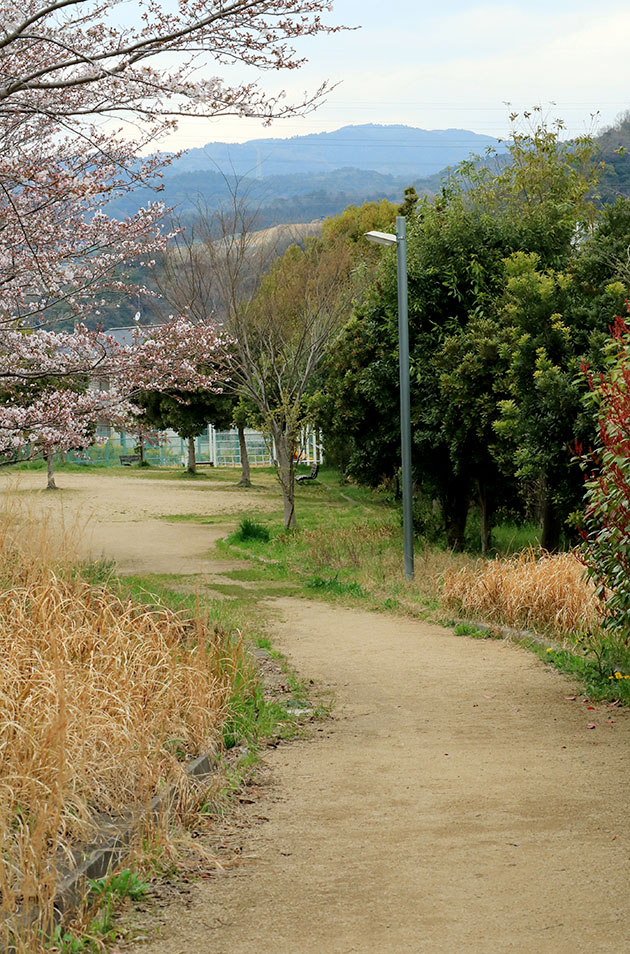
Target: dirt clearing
{"points": [[458, 802], [120, 517]]}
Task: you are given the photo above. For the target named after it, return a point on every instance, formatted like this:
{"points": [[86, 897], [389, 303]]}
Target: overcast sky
{"points": [[439, 66]]}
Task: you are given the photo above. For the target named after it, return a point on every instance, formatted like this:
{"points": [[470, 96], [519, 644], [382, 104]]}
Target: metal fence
{"points": [[168, 449]]}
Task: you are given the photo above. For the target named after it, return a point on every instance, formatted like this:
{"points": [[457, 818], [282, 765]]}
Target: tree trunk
{"points": [[486, 506], [551, 528], [141, 448], [245, 478], [192, 460], [286, 476], [50, 461], [455, 516]]}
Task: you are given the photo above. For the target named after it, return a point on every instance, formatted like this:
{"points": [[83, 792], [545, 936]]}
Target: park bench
{"points": [[128, 459], [312, 476]]}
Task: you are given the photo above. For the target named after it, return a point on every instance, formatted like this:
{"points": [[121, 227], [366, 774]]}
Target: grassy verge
{"points": [[349, 548], [102, 701]]}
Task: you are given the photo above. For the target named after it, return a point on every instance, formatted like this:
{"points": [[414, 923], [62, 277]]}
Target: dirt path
{"points": [[458, 803]]}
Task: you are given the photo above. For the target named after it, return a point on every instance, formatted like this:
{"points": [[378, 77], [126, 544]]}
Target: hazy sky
{"points": [[444, 65]]}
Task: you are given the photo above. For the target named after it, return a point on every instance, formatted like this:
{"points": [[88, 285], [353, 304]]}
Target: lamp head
{"points": [[381, 238]]}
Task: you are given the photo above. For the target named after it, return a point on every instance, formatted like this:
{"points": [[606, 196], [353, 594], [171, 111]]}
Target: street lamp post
{"points": [[400, 241]]}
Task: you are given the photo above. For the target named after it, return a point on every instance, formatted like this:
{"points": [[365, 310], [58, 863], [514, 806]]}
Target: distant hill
{"points": [[390, 150], [314, 176]]}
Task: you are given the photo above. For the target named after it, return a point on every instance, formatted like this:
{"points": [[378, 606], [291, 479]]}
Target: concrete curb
{"points": [[98, 859], [507, 632]]}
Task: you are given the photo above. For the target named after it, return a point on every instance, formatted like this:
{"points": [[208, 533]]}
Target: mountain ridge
{"points": [[301, 196], [384, 148]]}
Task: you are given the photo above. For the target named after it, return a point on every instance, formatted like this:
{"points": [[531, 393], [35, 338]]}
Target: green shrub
{"points": [[250, 530]]}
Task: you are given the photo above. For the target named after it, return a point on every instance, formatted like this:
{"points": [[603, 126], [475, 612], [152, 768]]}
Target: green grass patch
{"points": [[253, 718], [263, 478], [263, 642], [105, 895], [61, 467], [475, 632], [335, 586], [235, 591], [256, 574], [232, 590], [249, 530], [599, 684], [509, 538], [162, 473], [97, 572], [185, 594], [124, 884], [190, 518]]}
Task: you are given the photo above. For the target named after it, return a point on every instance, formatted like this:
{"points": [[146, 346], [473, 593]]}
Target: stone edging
{"points": [[99, 859], [506, 632]]}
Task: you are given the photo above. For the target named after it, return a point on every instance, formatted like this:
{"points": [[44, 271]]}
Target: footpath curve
{"points": [[457, 803]]}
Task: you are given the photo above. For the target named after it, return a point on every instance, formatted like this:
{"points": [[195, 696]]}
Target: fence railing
{"points": [[221, 448]]}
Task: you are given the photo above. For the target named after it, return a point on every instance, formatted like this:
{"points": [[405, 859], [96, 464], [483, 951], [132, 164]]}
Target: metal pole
{"points": [[405, 410]]}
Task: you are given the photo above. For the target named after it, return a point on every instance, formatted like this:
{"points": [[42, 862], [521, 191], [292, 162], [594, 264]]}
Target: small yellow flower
{"points": [[550, 650]]}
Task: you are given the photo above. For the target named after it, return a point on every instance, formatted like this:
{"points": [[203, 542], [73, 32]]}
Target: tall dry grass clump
{"points": [[532, 589], [100, 701]]}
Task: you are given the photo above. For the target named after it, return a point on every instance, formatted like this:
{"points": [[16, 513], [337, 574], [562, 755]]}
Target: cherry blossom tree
{"points": [[75, 78], [66, 64], [41, 407], [68, 59]]}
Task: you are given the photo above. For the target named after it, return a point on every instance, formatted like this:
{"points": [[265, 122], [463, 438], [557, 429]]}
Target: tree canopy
{"points": [[514, 276]]}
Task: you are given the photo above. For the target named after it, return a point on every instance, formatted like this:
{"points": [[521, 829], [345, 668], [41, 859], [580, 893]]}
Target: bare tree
{"points": [[281, 313], [184, 275], [280, 329]]}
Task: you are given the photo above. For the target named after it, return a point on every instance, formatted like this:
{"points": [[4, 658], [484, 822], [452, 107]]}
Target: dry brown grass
{"points": [[100, 700], [532, 589]]}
